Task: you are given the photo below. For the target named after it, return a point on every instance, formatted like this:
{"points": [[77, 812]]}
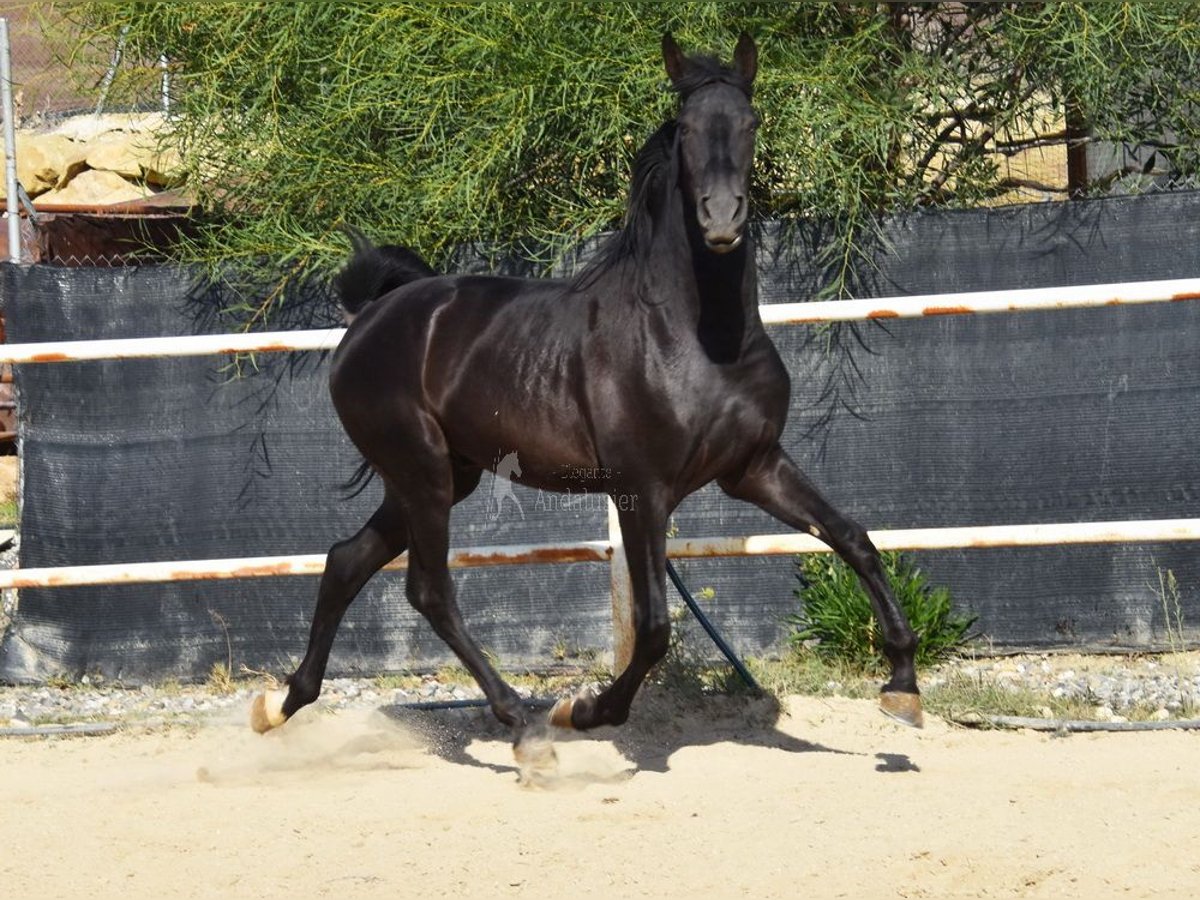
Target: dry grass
{"points": [[8, 479], [9, 467]]}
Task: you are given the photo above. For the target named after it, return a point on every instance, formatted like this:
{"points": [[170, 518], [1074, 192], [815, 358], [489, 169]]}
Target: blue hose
{"points": [[711, 629]]}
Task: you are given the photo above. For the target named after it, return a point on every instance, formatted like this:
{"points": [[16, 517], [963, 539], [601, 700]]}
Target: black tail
{"points": [[374, 271], [357, 483]]}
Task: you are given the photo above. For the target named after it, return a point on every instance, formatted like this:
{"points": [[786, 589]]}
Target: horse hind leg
{"points": [[643, 530], [429, 483], [430, 590], [349, 565]]}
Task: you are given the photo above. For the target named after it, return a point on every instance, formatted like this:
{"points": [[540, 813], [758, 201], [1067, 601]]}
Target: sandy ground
{"points": [[833, 801]]}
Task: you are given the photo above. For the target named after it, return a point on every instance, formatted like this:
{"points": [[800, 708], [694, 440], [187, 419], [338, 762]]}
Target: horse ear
{"points": [[673, 57], [745, 57]]}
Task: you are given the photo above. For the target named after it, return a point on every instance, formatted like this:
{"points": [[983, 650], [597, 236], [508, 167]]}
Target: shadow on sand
{"points": [[660, 724]]}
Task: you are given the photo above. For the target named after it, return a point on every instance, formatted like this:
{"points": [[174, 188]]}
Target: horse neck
{"points": [[718, 292]]}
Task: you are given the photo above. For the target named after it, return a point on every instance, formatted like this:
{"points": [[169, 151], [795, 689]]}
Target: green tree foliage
{"points": [[514, 124]]}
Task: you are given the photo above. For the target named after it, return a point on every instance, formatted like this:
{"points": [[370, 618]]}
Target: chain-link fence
{"points": [[95, 186], [55, 76], [44, 88]]}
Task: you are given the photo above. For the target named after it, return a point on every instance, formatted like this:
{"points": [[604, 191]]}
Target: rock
{"points": [[116, 152], [1103, 713], [94, 188], [139, 156], [90, 127], [47, 161], [1160, 715], [133, 146]]}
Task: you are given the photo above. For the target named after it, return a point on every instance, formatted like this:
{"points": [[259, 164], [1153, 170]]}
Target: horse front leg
{"points": [[643, 531], [774, 483]]}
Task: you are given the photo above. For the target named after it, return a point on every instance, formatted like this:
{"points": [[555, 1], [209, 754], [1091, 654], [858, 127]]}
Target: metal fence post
{"points": [[10, 147]]}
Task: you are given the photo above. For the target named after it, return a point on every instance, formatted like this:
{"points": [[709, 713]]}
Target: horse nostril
{"points": [[704, 212], [741, 207]]}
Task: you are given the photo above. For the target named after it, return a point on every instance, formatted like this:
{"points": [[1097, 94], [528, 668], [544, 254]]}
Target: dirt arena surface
{"points": [[833, 801]]}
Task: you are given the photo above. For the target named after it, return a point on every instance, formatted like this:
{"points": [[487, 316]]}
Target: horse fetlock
{"points": [[511, 712]]}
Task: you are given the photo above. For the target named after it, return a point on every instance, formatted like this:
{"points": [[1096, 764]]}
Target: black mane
{"points": [[654, 174]]}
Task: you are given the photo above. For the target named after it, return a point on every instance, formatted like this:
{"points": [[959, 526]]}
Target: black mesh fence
{"points": [[1083, 415]]}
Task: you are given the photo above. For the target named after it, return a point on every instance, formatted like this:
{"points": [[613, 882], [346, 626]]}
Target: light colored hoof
{"points": [[266, 712], [560, 714], [536, 757], [902, 707]]}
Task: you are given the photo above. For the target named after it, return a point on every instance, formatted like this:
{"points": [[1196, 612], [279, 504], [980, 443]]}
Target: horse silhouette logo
{"points": [[506, 468]]}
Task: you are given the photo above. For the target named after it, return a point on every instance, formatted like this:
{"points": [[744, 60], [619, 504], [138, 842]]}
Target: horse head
{"points": [[716, 127]]}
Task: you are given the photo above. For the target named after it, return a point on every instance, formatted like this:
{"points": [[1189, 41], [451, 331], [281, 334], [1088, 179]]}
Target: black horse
{"points": [[646, 377]]}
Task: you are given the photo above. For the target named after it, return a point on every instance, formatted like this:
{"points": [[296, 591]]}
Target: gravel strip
{"points": [[1167, 687], [154, 707]]}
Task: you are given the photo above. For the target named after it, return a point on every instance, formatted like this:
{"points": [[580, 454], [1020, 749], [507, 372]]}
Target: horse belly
{"points": [[544, 446]]}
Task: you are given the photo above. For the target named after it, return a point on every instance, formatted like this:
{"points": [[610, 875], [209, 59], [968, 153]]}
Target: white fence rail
{"points": [[610, 551], [1056, 534], [1071, 297]]}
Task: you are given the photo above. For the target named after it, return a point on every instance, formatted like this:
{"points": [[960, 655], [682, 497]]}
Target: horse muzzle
{"points": [[722, 243], [722, 218]]}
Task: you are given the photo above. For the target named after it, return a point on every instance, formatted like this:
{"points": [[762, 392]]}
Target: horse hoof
{"points": [[560, 714], [535, 755], [266, 712], [902, 707]]}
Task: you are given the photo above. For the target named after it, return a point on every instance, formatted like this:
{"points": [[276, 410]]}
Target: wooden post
{"points": [[1077, 155], [622, 594]]}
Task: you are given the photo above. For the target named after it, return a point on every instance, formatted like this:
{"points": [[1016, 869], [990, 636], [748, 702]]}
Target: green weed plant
{"points": [[835, 620]]}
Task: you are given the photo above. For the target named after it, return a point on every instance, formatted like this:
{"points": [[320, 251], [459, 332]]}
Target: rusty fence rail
{"points": [[982, 536], [1028, 299], [611, 551]]}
